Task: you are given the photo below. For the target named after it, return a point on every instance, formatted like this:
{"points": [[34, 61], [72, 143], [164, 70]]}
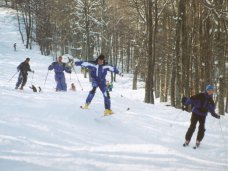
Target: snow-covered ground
{"points": [[49, 132]]}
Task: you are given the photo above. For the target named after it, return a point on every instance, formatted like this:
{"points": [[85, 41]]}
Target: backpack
{"points": [[202, 98]]}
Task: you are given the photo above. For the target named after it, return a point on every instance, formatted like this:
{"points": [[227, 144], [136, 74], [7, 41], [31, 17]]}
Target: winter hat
{"points": [[27, 59], [210, 87]]}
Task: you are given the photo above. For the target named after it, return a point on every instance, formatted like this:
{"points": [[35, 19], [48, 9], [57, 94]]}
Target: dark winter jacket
{"points": [[202, 104], [24, 68], [59, 67], [98, 72]]}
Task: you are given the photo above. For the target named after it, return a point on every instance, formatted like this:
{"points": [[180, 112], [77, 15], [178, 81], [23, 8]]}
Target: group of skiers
{"points": [[202, 103], [98, 72]]}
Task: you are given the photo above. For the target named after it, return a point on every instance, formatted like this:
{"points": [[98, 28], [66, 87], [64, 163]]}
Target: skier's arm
{"points": [[211, 108], [189, 102], [19, 67], [51, 67], [111, 69], [186, 101], [67, 69], [78, 63], [29, 69], [215, 115], [84, 64]]}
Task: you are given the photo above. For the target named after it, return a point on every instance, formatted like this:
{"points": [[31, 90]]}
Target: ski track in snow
{"points": [[49, 132]]}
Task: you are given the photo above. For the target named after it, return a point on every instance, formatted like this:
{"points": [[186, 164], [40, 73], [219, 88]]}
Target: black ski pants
{"points": [[22, 79], [194, 119]]}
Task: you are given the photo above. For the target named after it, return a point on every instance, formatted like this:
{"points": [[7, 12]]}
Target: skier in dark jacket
{"points": [[24, 67], [202, 103], [59, 67], [98, 74]]}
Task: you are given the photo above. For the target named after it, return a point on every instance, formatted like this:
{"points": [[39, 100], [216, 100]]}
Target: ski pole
{"points": [[12, 76], [171, 124], [222, 133], [32, 77], [46, 78], [77, 78], [71, 61]]}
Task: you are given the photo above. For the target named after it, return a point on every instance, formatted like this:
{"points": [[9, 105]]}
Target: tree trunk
{"points": [[19, 25], [222, 87], [226, 100], [135, 74], [149, 96], [128, 55]]}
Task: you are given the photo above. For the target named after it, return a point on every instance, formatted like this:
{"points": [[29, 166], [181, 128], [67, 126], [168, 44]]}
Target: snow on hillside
{"points": [[49, 132]]}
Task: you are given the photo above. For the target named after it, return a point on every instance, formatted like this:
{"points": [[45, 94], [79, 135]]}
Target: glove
{"points": [[121, 74], [69, 65], [33, 72], [184, 100]]}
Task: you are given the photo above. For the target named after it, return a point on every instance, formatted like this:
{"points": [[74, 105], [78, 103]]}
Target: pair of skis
{"points": [[82, 107]]}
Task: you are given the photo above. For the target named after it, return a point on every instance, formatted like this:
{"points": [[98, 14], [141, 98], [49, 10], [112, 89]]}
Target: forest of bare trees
{"points": [[176, 47]]}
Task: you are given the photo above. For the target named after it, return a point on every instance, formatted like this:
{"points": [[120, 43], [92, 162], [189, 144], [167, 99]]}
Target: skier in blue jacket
{"points": [[59, 67], [201, 103], [98, 75]]}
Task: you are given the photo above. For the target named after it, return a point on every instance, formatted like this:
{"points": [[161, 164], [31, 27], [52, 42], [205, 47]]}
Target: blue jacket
{"points": [[59, 67], [202, 103], [98, 72]]}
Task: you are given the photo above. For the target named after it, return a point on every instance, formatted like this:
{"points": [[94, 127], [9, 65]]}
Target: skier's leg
{"points": [[106, 95], [192, 127], [92, 92], [58, 82], [63, 83], [19, 81], [202, 129], [91, 95], [24, 80]]}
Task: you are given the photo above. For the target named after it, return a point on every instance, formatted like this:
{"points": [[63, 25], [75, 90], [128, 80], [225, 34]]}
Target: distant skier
{"points": [[24, 67], [59, 67], [98, 75], [202, 103], [15, 46]]}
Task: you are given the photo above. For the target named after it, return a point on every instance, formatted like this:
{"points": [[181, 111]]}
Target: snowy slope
{"points": [[49, 132]]}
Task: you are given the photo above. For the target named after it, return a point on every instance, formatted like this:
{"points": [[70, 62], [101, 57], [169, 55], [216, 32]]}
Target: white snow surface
{"points": [[49, 132]]}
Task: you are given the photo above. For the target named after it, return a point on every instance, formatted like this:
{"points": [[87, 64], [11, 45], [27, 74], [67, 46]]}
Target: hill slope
{"points": [[49, 132]]}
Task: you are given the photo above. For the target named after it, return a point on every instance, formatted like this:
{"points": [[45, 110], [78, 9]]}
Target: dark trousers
{"points": [[194, 119], [22, 79]]}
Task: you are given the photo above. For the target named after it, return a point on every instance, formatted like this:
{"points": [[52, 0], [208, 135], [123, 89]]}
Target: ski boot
{"points": [[186, 143], [85, 107], [197, 144], [108, 112]]}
